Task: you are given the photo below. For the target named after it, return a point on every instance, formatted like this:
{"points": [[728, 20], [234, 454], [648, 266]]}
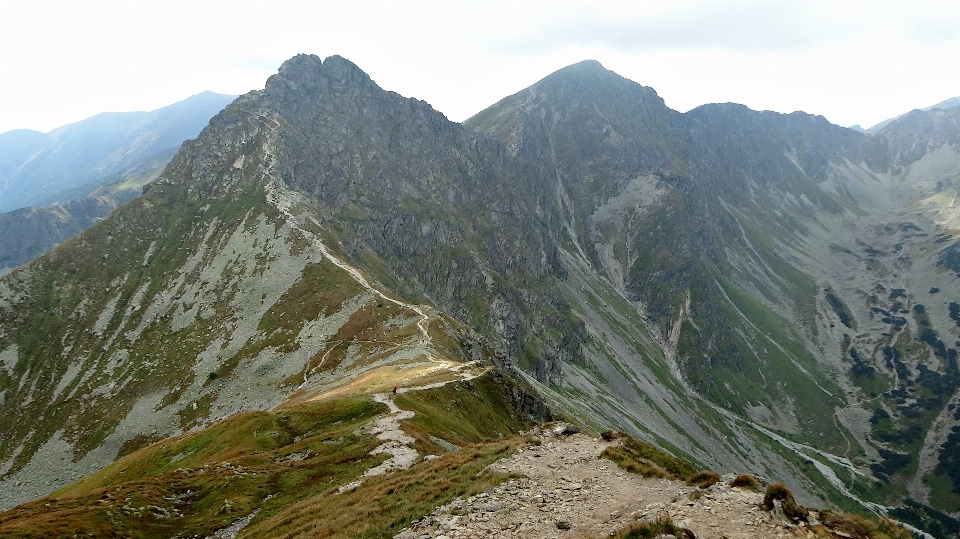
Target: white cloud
{"points": [[852, 61]]}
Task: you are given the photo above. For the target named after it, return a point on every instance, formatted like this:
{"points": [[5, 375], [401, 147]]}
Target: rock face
{"points": [[744, 287]]}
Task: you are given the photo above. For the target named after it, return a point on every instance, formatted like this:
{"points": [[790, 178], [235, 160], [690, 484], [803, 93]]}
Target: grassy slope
{"points": [[289, 463]]}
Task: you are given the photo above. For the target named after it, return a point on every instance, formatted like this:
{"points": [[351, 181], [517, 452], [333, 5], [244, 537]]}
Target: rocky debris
{"points": [[568, 490], [565, 429], [231, 531], [396, 443]]}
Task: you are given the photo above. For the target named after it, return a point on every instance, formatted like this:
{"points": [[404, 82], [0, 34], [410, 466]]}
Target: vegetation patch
{"points": [[383, 505], [840, 309], [891, 463], [950, 258], [926, 518], [778, 492], [704, 479], [949, 462], [198, 483], [855, 526], [648, 530], [646, 459], [464, 413], [746, 481], [954, 309]]}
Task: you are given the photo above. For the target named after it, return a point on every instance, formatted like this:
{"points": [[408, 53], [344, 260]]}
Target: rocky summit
{"points": [[336, 306]]}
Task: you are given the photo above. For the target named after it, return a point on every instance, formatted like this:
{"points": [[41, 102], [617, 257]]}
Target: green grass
{"points": [[463, 413], [942, 495], [197, 483], [289, 462], [646, 459], [383, 505]]}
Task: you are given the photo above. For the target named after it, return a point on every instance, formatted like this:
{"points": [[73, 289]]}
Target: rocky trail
{"points": [[396, 443], [567, 490]]}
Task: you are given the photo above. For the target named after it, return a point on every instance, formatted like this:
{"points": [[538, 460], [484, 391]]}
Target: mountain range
{"points": [[747, 290], [57, 184], [945, 104], [37, 169]]}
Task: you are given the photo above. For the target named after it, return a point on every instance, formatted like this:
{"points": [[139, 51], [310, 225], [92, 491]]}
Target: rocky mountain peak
{"points": [[305, 71], [589, 80], [301, 71], [302, 79]]}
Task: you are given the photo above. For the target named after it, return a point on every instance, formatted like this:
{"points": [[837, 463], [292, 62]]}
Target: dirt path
{"points": [[566, 485], [273, 192], [396, 443]]}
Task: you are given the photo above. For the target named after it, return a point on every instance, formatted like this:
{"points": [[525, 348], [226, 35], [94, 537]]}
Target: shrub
{"points": [[648, 530], [704, 479], [746, 481], [632, 464], [779, 491], [861, 528], [646, 459]]}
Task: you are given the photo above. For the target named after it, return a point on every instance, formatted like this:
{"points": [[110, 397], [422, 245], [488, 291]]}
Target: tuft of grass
{"points": [[861, 528], [704, 479], [746, 481], [780, 491], [648, 530], [646, 459]]}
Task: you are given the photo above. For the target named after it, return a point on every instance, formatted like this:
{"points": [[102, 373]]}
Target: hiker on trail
{"points": [[394, 390]]}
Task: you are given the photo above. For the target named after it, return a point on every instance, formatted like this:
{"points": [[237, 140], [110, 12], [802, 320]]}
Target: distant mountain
{"points": [[947, 104], [71, 161], [29, 232], [943, 105]]}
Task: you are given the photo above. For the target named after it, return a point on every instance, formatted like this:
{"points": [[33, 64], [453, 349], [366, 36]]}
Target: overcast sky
{"points": [[855, 62]]}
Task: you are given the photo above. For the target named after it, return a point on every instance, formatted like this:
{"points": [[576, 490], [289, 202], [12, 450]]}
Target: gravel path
{"points": [[568, 491]]}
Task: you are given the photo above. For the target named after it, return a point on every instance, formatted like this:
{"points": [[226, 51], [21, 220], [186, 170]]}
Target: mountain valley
{"points": [[748, 291]]}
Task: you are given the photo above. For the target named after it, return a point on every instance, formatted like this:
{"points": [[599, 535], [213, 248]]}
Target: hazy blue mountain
{"points": [[71, 161], [943, 105], [29, 232], [947, 103]]}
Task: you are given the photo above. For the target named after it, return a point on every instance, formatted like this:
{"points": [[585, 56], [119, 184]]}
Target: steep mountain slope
{"points": [[75, 159], [945, 104], [307, 468], [492, 234], [209, 295], [729, 231], [725, 282], [897, 339], [673, 217]]}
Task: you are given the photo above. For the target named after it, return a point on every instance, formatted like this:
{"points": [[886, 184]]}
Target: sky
{"points": [[852, 61]]}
